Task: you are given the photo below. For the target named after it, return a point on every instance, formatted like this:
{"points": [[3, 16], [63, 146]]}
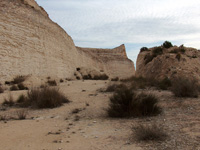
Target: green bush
{"points": [[167, 44], [149, 133], [52, 83], [165, 84], [14, 88], [19, 79], [126, 103], [185, 87], [143, 49], [22, 87], [44, 98]]}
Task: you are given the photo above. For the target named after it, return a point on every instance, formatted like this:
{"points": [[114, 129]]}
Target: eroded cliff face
{"points": [[172, 63], [31, 44], [116, 62]]}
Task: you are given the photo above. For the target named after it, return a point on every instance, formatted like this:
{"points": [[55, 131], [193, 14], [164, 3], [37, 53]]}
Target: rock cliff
{"points": [[160, 62], [32, 44]]}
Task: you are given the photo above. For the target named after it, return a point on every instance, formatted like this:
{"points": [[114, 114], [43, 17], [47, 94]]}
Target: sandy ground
{"points": [[91, 129]]}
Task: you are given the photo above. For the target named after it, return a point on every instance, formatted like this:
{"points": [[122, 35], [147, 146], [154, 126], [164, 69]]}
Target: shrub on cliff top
{"points": [[167, 44]]}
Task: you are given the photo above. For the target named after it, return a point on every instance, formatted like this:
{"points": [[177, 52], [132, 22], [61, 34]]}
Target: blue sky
{"points": [[135, 23]]}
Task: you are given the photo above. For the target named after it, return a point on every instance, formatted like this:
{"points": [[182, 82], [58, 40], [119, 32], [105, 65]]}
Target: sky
{"points": [[135, 23]]}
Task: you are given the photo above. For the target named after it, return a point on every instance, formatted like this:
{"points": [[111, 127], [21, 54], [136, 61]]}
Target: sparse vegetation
{"points": [[149, 133], [44, 98], [115, 79], [143, 49], [126, 103], [76, 110], [185, 87], [52, 82], [61, 80], [19, 79], [21, 114], [96, 77], [14, 88], [22, 87], [167, 44]]}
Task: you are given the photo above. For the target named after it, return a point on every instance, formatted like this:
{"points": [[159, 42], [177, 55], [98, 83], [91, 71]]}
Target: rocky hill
{"points": [[32, 44], [160, 62]]}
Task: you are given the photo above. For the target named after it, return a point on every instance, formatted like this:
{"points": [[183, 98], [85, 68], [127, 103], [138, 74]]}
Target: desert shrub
{"points": [[14, 88], [21, 86], [52, 83], [61, 80], [165, 84], [8, 102], [149, 133], [185, 87], [147, 105], [143, 49], [101, 77], [21, 99], [7, 82], [76, 110], [1, 90], [126, 103], [115, 79], [78, 69], [87, 77], [167, 44], [78, 78], [19, 79], [44, 98], [21, 114]]}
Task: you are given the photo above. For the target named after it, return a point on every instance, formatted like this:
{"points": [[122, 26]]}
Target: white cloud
{"points": [[109, 23]]}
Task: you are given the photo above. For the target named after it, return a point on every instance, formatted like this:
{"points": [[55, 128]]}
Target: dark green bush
{"points": [[167, 44], [149, 133], [115, 79], [165, 84], [143, 49], [1, 90], [14, 88], [185, 87], [19, 79], [22, 87], [52, 83], [61, 80], [126, 103], [44, 98]]}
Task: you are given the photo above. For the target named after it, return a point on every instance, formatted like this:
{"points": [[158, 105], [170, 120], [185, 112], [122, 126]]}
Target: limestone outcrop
{"points": [[160, 62], [32, 44]]}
